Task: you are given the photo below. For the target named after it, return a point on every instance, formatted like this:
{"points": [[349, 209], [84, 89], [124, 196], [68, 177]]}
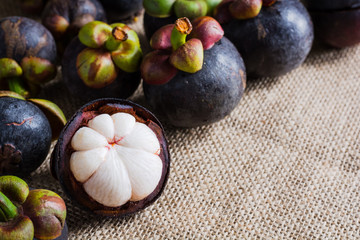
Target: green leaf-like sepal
{"points": [[189, 57], [37, 70], [128, 57], [190, 8], [94, 34], [159, 8], [9, 68]]}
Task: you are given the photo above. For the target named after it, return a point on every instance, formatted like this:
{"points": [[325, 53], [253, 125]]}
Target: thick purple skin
{"points": [[151, 24], [60, 166], [22, 31], [190, 100], [70, 10], [122, 87], [331, 4], [337, 28], [122, 9], [25, 127], [276, 41]]}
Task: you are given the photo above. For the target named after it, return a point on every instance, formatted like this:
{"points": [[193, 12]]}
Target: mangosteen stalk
{"points": [[7, 209], [17, 85], [117, 37], [180, 31]]}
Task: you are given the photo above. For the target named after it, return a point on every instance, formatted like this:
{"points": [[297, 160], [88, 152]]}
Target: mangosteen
{"points": [[112, 157], [25, 136], [273, 40], [64, 18], [159, 13], [27, 55], [103, 61], [195, 76], [30, 213], [336, 22], [122, 10]]}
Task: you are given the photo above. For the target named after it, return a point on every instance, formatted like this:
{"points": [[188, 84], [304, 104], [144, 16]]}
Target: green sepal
{"points": [[128, 57], [53, 113], [96, 68], [7, 208], [211, 5], [11, 94], [14, 188], [189, 57], [37, 70], [190, 8], [20, 227], [159, 8], [9, 68], [94, 34], [16, 84]]}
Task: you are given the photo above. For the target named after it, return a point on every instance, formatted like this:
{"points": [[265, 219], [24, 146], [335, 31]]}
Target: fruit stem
{"points": [[17, 85], [181, 29], [118, 35], [7, 209]]}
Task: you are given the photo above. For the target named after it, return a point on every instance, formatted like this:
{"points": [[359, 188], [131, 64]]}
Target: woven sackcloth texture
{"points": [[284, 165]]}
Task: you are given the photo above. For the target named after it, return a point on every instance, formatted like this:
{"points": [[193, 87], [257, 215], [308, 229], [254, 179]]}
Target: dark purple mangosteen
{"points": [[30, 213], [103, 61], [27, 55], [159, 13], [25, 136], [195, 80], [336, 22], [112, 157], [273, 37], [121, 10], [64, 18]]}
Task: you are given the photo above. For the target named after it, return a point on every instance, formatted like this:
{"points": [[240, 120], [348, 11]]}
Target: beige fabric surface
{"points": [[284, 165]]}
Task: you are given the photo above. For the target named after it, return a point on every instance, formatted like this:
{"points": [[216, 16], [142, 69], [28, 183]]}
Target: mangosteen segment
{"points": [[116, 159]]}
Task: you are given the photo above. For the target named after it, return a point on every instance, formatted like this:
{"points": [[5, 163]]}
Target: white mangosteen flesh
{"points": [[116, 159]]}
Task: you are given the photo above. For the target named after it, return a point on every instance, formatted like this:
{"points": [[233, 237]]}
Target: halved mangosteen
{"points": [[336, 22], [273, 42], [195, 76], [112, 157], [102, 62], [64, 18]]}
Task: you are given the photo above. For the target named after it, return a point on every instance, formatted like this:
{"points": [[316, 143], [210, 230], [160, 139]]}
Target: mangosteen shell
{"points": [[24, 129], [60, 157], [327, 5], [23, 37], [152, 24], [204, 97], [122, 9], [70, 10], [122, 87], [276, 41]]}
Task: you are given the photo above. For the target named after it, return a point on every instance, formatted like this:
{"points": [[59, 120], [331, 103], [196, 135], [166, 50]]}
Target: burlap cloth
{"points": [[284, 165]]}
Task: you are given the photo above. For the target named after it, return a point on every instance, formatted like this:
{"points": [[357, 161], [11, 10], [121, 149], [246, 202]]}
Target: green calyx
{"points": [[182, 8], [12, 189], [122, 44], [25, 77], [187, 56]]}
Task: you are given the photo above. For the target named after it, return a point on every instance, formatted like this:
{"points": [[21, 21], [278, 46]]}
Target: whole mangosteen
{"points": [[30, 213], [273, 37], [112, 157], [103, 61], [336, 22], [122, 10], [159, 13], [27, 55], [195, 76], [25, 136], [64, 18]]}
